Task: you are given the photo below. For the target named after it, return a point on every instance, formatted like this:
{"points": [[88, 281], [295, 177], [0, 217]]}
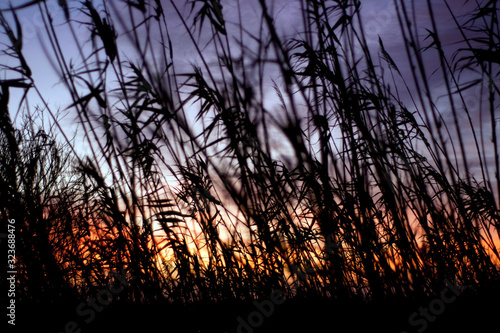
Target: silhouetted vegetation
{"points": [[314, 163]]}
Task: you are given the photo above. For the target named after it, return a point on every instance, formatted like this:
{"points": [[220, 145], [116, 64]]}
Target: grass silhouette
{"points": [[361, 185]]}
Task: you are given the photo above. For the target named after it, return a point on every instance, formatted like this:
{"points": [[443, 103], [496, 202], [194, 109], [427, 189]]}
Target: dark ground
{"points": [[468, 313]]}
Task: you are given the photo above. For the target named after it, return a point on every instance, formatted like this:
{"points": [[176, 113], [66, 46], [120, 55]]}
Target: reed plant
{"points": [[229, 177]]}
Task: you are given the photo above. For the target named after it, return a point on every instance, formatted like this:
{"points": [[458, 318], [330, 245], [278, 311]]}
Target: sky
{"points": [[379, 18]]}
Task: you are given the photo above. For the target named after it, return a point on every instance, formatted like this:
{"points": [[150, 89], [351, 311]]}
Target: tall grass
{"points": [[206, 191]]}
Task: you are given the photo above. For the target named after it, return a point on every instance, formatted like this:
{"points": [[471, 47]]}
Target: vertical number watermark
{"points": [[11, 271]]}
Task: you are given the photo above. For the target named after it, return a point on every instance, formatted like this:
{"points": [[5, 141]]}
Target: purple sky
{"points": [[378, 15]]}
